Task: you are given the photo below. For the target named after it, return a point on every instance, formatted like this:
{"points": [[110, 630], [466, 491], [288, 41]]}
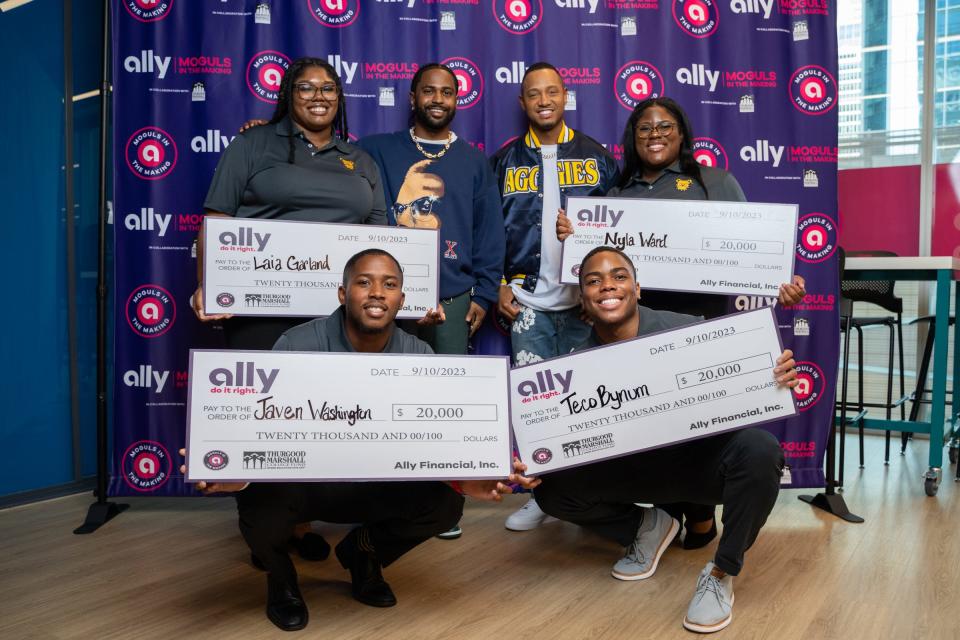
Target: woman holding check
{"points": [[659, 163], [299, 166]]}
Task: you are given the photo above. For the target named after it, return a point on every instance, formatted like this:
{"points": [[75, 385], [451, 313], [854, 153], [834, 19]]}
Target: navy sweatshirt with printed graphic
{"points": [[455, 194]]}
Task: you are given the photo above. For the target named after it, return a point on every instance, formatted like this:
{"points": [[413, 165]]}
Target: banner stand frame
{"points": [[831, 501], [102, 511]]}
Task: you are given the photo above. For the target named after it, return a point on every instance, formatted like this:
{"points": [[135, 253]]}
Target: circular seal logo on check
{"points": [[225, 299], [542, 455], [215, 460]]}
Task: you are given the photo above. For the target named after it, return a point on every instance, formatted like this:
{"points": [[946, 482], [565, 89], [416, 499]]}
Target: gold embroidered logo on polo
{"points": [[683, 185], [349, 164], [573, 172]]}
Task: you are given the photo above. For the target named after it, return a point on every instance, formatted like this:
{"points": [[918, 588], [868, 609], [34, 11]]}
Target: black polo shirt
{"points": [[674, 184], [329, 335], [651, 321], [338, 183]]}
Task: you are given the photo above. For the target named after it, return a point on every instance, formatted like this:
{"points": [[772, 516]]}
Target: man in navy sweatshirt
{"points": [[432, 179]]}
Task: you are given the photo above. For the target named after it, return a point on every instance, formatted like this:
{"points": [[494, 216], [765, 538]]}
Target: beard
{"points": [[427, 121]]}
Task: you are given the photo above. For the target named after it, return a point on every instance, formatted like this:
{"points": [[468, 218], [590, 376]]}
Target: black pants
{"points": [[398, 515], [740, 470]]}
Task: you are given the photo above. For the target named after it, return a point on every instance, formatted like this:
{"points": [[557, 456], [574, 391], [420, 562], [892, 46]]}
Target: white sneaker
{"points": [[527, 517], [711, 608]]}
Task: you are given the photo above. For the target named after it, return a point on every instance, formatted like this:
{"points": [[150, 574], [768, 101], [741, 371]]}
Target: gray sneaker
{"points": [[711, 608], [654, 535]]}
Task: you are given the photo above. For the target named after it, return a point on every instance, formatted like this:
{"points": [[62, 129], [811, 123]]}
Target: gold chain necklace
{"points": [[432, 156]]}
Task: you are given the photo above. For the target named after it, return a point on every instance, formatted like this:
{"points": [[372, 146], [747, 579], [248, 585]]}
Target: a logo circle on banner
{"points": [[816, 237], [216, 460], [637, 81], [334, 13], [146, 466], [518, 16], [264, 74], [698, 18], [148, 10], [469, 81], [710, 153], [810, 385], [813, 90], [150, 311], [151, 153]]}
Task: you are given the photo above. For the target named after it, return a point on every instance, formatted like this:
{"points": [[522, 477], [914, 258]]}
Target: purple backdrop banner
{"points": [[758, 78]]}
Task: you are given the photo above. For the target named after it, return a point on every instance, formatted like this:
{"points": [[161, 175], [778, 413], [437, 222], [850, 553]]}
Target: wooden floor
{"points": [[176, 568]]}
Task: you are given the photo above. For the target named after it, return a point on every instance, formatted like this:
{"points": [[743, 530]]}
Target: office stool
{"points": [[880, 293]]}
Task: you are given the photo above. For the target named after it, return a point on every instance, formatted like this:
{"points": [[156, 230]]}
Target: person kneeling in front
{"points": [[395, 517], [739, 469]]}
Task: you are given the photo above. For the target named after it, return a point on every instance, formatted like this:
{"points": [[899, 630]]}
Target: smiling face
{"points": [[609, 289], [435, 100], [315, 100], [373, 294], [543, 98], [658, 151]]}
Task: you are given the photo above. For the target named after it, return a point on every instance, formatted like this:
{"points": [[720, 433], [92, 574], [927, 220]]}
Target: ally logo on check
{"points": [[245, 375]]}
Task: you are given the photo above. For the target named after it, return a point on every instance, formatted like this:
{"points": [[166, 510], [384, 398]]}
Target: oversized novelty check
{"points": [[273, 415], [688, 245], [648, 392], [282, 268]]}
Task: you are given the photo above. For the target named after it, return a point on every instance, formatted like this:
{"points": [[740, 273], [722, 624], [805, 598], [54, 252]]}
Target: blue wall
{"points": [[36, 448]]}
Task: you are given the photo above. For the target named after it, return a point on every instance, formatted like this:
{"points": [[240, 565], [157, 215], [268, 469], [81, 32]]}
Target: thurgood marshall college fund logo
{"points": [[816, 237], [146, 465], [518, 16], [334, 13], [150, 311], [636, 81], [151, 153], [469, 81], [813, 90], [264, 73], [698, 18], [710, 153], [148, 10], [810, 385]]}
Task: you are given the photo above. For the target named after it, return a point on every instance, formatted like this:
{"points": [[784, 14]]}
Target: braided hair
{"points": [[285, 98], [631, 160]]}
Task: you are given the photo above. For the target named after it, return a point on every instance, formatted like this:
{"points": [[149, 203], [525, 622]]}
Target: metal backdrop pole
{"points": [[102, 511]]}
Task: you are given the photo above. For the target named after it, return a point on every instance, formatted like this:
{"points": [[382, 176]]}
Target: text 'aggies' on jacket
{"points": [[584, 168]]}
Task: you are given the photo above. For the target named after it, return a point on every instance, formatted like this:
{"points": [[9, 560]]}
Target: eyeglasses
{"points": [[664, 129], [308, 91]]}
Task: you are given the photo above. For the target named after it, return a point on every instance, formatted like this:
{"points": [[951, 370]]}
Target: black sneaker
{"points": [[367, 584], [285, 605]]}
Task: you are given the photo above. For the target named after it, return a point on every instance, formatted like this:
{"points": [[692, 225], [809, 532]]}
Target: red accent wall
{"points": [[880, 209], [946, 214]]}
